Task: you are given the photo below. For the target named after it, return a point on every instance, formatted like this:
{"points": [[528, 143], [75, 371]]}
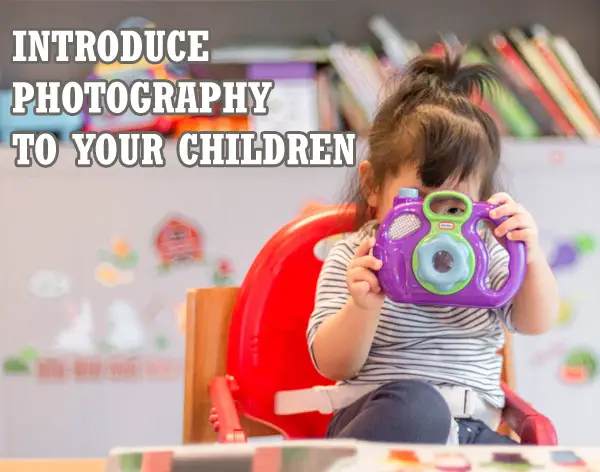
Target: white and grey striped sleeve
{"points": [[498, 273], [332, 290]]}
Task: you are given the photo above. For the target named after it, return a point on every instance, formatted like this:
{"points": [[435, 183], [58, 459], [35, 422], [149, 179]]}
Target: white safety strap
{"points": [[462, 402], [325, 400]]}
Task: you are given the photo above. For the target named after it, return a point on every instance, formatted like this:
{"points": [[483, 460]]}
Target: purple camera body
{"points": [[441, 259]]}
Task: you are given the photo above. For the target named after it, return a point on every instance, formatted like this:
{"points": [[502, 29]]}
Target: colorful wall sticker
{"points": [[163, 368], [565, 314], [177, 241], [49, 284], [22, 363], [568, 253], [585, 243], [223, 275], [510, 461], [109, 276], [77, 338], [161, 342], [580, 367], [88, 369], [127, 334], [116, 266]]}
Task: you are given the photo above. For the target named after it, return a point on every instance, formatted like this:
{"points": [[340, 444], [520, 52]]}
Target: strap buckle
{"points": [[461, 401], [324, 403], [470, 404]]}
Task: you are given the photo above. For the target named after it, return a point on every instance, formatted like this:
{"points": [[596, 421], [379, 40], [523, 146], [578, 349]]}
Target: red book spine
{"points": [[485, 105], [528, 77], [567, 81]]}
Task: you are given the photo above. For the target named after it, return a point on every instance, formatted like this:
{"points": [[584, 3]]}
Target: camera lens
{"points": [[442, 261]]}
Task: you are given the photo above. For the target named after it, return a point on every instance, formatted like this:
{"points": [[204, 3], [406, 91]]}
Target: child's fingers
{"points": [[508, 209], [524, 235], [511, 224], [364, 248], [359, 275], [366, 262], [500, 198], [361, 289]]}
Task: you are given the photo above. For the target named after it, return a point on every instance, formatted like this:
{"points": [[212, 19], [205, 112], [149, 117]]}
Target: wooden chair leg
{"points": [[207, 329]]}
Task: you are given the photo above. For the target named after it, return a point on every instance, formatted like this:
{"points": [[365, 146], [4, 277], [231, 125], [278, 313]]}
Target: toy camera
{"points": [[440, 259]]}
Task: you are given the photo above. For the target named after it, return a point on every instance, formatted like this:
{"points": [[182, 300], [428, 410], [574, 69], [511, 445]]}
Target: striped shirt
{"points": [[440, 345]]}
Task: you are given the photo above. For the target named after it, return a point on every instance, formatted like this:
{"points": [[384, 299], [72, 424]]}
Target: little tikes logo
{"points": [[446, 225]]}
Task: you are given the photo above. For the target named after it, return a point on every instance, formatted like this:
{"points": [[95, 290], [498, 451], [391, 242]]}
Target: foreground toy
{"points": [[440, 259], [339, 455]]}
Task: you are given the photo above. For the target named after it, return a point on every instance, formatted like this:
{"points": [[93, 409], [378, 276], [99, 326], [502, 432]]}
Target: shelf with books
{"points": [[331, 85], [544, 90]]}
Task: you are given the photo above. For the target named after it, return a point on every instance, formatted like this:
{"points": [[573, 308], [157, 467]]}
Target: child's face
{"points": [[383, 199]]}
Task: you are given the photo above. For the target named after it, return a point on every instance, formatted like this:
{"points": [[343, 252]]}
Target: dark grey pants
{"points": [[407, 411]]}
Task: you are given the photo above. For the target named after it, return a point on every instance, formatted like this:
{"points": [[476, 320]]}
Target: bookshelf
{"points": [[301, 22], [296, 21]]}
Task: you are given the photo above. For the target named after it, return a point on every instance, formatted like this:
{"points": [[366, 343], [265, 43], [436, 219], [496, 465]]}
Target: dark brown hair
{"points": [[430, 121]]}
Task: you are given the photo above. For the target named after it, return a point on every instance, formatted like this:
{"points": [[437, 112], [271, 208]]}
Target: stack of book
{"points": [[545, 89]]}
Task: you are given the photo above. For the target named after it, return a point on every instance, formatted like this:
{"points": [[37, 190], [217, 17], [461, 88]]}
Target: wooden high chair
{"points": [[243, 345]]}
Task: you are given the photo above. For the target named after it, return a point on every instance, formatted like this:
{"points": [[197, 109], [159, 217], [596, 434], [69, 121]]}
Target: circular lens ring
{"points": [[442, 261]]}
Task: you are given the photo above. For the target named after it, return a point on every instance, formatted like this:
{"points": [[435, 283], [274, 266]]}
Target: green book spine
{"points": [[510, 109]]}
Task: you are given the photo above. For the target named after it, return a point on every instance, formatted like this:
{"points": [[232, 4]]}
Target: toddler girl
{"points": [[425, 374]]}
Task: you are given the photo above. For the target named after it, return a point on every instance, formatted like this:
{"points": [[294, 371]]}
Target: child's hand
{"points": [[362, 282], [519, 226]]}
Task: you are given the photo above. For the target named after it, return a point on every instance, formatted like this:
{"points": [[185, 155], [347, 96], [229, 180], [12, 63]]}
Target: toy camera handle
{"points": [[515, 249]]}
